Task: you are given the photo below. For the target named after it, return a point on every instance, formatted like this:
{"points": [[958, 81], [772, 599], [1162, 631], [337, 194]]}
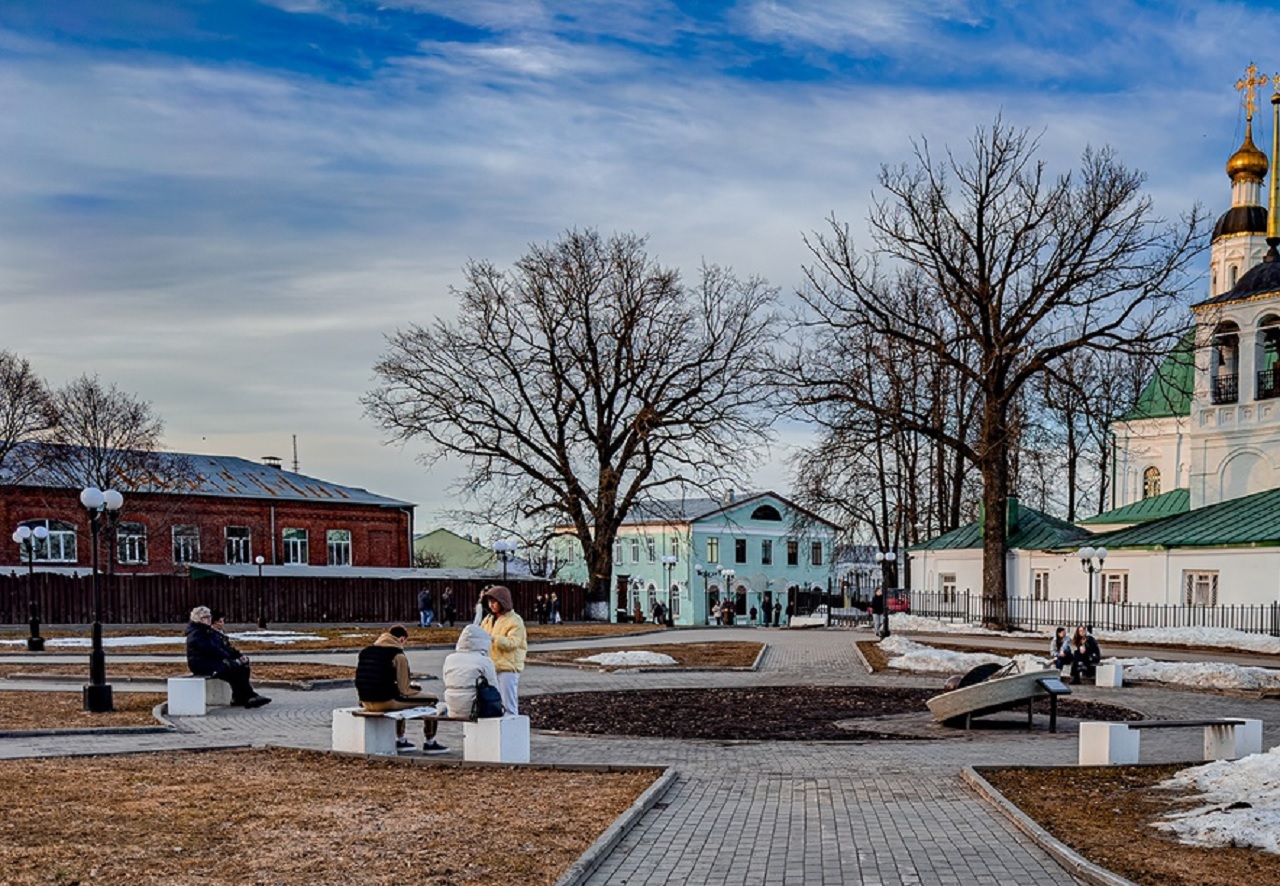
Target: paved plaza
{"points": [[878, 812]]}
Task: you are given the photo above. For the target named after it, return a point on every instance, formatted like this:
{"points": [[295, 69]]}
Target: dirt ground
{"points": [[20, 710], [725, 654], [262, 670], [1105, 814], [296, 817]]}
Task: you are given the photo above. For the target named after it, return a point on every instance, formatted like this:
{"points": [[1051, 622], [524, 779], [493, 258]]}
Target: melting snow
{"points": [[629, 658]]}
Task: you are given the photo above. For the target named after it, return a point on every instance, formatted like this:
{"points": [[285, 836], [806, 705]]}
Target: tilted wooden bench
{"points": [[491, 740], [1116, 744], [192, 696]]}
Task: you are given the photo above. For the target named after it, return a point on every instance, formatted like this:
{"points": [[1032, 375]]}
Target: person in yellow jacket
{"points": [[509, 645]]}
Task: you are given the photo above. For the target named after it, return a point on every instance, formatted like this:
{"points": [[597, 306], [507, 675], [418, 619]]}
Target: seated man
{"points": [[210, 654], [1085, 655], [382, 683]]}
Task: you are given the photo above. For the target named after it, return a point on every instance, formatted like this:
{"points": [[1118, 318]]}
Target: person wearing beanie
{"points": [[509, 644], [382, 684]]}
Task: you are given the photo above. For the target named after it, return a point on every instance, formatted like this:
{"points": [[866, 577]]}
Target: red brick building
{"points": [[226, 510]]}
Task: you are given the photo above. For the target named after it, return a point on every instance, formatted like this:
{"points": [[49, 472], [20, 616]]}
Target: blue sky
{"points": [[223, 206]]}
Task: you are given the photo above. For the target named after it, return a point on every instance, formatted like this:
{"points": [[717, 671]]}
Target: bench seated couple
{"points": [[383, 681], [1080, 650]]}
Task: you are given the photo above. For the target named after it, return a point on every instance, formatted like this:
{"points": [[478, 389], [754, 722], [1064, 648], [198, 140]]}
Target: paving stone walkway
{"points": [[758, 812]]}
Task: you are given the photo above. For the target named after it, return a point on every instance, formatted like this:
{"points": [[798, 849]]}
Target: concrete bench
{"points": [[193, 696], [491, 740], [1116, 744], [1109, 676]]}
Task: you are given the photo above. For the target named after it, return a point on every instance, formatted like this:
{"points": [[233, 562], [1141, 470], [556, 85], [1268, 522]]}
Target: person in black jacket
{"points": [[210, 654], [1085, 654], [382, 684]]}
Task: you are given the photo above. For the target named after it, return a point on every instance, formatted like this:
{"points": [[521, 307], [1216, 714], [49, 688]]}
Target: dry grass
{"points": [[687, 655], [296, 817], [20, 710], [262, 670], [1105, 815]]}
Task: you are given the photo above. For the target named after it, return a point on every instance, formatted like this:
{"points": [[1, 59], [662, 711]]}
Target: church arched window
{"points": [[1151, 482]]}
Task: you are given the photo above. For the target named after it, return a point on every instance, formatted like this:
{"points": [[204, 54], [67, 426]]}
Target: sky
{"points": [[224, 207]]}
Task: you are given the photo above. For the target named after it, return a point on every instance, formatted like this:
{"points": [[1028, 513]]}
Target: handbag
{"points": [[488, 701]]}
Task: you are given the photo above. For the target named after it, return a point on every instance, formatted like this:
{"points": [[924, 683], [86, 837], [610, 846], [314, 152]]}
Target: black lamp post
{"points": [[262, 606], [27, 537], [730, 595], [706, 572], [887, 561], [97, 695], [669, 561], [505, 551], [1091, 561]]}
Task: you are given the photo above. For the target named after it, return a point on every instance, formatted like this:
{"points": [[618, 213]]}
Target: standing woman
{"points": [[509, 645]]}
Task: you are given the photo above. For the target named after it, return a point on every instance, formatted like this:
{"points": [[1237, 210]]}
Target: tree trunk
{"points": [[995, 500]]}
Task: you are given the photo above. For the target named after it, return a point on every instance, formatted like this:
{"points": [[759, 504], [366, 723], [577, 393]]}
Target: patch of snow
{"points": [[1219, 637], [629, 658], [275, 637], [1239, 806], [1199, 674]]}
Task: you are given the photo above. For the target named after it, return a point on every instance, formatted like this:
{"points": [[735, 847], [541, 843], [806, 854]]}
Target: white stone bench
{"points": [[193, 696], [491, 740], [1116, 744], [1110, 676]]}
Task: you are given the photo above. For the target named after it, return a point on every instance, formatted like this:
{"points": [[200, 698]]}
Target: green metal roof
{"points": [[1252, 520], [1168, 394], [1035, 531], [1155, 508]]}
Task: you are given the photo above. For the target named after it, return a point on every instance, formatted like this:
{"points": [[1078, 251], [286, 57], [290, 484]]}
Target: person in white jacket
{"points": [[463, 666]]}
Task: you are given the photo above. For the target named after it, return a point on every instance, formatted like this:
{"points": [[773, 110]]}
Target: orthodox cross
{"points": [[1248, 83]]}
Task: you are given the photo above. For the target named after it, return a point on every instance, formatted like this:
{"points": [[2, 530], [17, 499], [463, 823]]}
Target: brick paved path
{"points": [[758, 812]]}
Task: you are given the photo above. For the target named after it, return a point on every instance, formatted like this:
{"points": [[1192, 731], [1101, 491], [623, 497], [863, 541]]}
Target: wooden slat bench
{"points": [[491, 740], [1116, 744]]}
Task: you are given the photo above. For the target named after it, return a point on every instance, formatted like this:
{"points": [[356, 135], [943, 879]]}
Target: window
{"points": [[59, 546], [766, 552], [675, 546], [617, 551], [238, 544], [1200, 588], [131, 543], [793, 552], [740, 550], [1151, 482], [675, 602], [766, 512], [186, 544], [1040, 584], [338, 545], [1115, 587], [947, 585], [295, 546], [815, 553], [651, 549], [635, 549], [713, 550]]}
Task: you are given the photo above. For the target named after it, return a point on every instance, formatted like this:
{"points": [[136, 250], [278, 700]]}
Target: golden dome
{"points": [[1248, 162]]}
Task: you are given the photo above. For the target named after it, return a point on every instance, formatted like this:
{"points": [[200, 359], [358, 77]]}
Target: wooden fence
{"points": [[168, 599]]}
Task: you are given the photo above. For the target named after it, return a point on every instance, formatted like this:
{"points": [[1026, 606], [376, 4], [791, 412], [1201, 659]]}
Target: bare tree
{"points": [[26, 414], [110, 439], [582, 382], [1023, 270]]}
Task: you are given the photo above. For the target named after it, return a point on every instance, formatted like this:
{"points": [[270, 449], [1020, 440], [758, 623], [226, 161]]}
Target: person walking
{"points": [[449, 606], [555, 609], [425, 613], [510, 644], [382, 684], [878, 612], [777, 613]]}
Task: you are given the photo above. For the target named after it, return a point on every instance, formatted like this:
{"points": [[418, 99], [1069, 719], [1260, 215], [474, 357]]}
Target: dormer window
{"points": [[1151, 482]]}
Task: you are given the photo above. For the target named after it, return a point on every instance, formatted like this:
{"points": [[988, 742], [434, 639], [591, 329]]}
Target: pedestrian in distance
{"points": [[426, 611], [777, 613], [449, 605], [879, 612]]}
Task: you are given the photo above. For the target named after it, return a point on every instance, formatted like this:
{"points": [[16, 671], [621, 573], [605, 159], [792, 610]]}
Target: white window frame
{"points": [[947, 586], [651, 548], [295, 546], [713, 550], [635, 549], [337, 544], [617, 551], [131, 543], [675, 547], [186, 544], [60, 544], [1198, 584], [1040, 584], [815, 553], [237, 548], [1113, 586]]}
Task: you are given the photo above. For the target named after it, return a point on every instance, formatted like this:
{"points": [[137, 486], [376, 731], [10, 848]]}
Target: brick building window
{"points": [[295, 546], [131, 543], [238, 549], [186, 544], [59, 546], [338, 543]]}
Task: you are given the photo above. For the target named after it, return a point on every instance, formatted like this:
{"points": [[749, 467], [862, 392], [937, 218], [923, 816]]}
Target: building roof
{"points": [[1168, 394], [1259, 281], [1251, 521], [1035, 531], [690, 510], [226, 476], [225, 570], [1157, 507]]}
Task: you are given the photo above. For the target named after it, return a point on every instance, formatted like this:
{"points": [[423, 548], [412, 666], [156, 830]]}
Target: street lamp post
{"points": [[706, 572], [669, 561], [1091, 561], [27, 537], [97, 695], [505, 551], [730, 595], [262, 608], [887, 560]]}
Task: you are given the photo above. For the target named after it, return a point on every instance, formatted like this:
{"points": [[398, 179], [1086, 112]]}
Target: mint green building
{"points": [[760, 551]]}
